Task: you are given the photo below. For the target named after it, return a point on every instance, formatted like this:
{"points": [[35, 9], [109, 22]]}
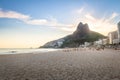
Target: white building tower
{"points": [[118, 31]]}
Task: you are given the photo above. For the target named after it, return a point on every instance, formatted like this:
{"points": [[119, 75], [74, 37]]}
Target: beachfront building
{"points": [[115, 41], [101, 42], [118, 26], [113, 37], [104, 41], [59, 43], [87, 44]]}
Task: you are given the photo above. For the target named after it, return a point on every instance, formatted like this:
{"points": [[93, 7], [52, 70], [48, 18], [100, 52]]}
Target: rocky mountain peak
{"points": [[82, 29]]}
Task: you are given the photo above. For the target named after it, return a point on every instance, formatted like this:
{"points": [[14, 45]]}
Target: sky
{"points": [[32, 23]]}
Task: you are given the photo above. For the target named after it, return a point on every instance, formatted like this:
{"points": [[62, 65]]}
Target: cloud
{"points": [[88, 16], [13, 14], [69, 29], [37, 21], [79, 11], [114, 15], [28, 19], [103, 25], [51, 22]]}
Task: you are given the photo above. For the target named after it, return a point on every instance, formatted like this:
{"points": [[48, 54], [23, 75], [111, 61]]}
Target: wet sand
{"points": [[62, 65]]}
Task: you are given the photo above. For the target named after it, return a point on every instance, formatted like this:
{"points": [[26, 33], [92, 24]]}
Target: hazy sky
{"points": [[31, 23]]}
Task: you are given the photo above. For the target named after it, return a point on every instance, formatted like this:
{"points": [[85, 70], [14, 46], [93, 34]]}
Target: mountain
{"points": [[79, 36]]}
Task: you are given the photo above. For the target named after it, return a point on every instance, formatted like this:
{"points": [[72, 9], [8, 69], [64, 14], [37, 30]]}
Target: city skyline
{"points": [[32, 23]]}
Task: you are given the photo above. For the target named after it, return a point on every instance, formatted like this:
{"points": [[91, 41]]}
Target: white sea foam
{"points": [[24, 50]]}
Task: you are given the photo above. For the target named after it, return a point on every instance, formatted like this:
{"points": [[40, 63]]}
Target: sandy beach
{"points": [[61, 65]]}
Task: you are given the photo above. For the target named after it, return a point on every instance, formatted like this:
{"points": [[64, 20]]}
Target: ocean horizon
{"points": [[4, 51]]}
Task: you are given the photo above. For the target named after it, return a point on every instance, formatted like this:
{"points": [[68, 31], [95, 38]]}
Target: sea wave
{"points": [[20, 51]]}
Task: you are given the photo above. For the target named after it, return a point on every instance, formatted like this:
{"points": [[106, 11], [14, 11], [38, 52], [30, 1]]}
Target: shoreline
{"points": [[24, 51]]}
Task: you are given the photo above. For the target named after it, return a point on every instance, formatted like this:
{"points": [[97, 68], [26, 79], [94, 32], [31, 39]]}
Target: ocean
{"points": [[4, 51]]}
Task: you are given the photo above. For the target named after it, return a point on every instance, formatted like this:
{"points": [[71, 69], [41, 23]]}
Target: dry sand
{"points": [[60, 65]]}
